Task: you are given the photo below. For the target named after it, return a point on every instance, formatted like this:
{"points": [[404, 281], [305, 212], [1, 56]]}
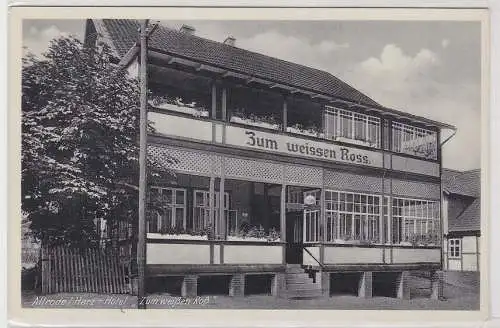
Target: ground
{"points": [[459, 294]]}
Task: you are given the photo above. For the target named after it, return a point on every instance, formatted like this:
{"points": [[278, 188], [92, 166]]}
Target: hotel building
{"points": [[287, 180]]}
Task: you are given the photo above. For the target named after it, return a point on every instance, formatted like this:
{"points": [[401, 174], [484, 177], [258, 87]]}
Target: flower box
{"points": [[176, 236], [240, 238], [247, 121], [186, 109], [305, 132], [353, 141]]}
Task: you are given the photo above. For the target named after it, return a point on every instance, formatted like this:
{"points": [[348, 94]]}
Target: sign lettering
{"points": [[301, 147]]}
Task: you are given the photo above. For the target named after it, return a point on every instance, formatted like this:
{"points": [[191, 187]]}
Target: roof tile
{"points": [[468, 220], [465, 184], [124, 34]]}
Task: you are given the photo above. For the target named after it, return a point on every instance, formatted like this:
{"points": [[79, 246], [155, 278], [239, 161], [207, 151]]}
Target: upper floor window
{"points": [[454, 248], [414, 140], [352, 127]]}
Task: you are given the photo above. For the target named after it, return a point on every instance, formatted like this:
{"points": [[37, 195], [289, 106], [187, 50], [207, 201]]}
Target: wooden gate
{"points": [[93, 270]]}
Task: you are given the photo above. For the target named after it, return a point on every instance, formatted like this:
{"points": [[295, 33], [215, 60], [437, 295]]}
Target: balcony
{"points": [[198, 97]]}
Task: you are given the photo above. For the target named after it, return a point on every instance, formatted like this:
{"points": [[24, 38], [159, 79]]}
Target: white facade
{"points": [[462, 256]]}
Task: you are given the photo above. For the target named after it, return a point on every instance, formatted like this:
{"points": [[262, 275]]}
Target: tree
{"points": [[80, 130]]}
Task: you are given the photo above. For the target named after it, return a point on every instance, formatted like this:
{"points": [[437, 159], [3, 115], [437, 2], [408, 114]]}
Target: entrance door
{"points": [[302, 224], [294, 237]]}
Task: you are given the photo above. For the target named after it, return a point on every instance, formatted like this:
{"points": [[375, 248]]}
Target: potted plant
{"points": [[266, 121], [178, 104]]}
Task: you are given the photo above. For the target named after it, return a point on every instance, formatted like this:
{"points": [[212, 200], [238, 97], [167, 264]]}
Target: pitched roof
{"points": [[123, 34], [468, 220], [466, 185]]}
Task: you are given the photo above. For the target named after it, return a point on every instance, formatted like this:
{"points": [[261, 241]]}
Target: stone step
{"points": [[310, 293], [293, 284], [301, 279], [303, 283], [294, 270], [304, 288], [300, 285]]}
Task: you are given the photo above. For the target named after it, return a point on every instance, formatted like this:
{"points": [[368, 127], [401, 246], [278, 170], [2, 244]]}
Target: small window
{"points": [[454, 248]]}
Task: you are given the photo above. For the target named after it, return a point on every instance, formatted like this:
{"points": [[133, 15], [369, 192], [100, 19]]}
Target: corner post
{"points": [[141, 243], [283, 220]]}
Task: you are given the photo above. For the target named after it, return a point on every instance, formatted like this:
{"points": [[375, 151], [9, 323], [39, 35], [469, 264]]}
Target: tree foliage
{"points": [[80, 147]]}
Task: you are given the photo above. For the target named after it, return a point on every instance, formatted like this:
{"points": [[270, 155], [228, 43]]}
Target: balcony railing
{"points": [[338, 125]]}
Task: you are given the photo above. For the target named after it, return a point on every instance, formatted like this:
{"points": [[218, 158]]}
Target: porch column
{"points": [[283, 213], [211, 197], [237, 285], [389, 218], [322, 219], [224, 103], [437, 285], [283, 221], [189, 286], [325, 284], [278, 285], [266, 207], [403, 288], [285, 113], [222, 216], [214, 100], [366, 284]]}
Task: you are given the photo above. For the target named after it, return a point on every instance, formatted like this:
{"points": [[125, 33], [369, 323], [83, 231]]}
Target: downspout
{"points": [[441, 212]]}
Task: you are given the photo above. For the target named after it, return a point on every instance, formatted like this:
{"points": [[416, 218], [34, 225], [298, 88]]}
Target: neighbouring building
{"points": [[288, 180], [462, 220]]}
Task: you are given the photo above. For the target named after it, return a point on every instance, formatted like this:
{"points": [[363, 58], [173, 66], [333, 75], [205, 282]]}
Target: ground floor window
{"points": [[201, 210], [352, 217], [454, 246], [183, 209], [254, 213], [415, 222], [251, 211], [168, 210]]}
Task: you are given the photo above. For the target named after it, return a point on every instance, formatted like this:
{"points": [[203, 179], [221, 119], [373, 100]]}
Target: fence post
{"points": [[45, 270]]}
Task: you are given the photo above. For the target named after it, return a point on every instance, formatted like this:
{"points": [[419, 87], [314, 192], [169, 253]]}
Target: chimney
{"points": [[187, 29], [230, 41]]}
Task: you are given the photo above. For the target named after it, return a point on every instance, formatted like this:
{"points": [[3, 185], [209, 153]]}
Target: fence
{"points": [[93, 270], [30, 253]]}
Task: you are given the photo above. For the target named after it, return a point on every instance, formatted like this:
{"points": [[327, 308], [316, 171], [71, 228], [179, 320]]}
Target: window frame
{"points": [[402, 133], [454, 248], [405, 222], [206, 196], [352, 127], [347, 212], [173, 206]]}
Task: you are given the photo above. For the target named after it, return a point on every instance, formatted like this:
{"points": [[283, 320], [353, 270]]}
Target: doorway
{"points": [[302, 221], [294, 237]]}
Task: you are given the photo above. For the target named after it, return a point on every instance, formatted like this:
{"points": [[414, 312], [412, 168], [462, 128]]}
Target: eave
{"points": [[221, 72]]}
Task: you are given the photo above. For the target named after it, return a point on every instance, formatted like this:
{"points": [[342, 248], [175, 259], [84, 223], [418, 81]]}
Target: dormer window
{"points": [[413, 140], [351, 127]]}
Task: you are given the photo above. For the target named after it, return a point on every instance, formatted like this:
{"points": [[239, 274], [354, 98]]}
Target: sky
{"points": [[430, 69]]}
